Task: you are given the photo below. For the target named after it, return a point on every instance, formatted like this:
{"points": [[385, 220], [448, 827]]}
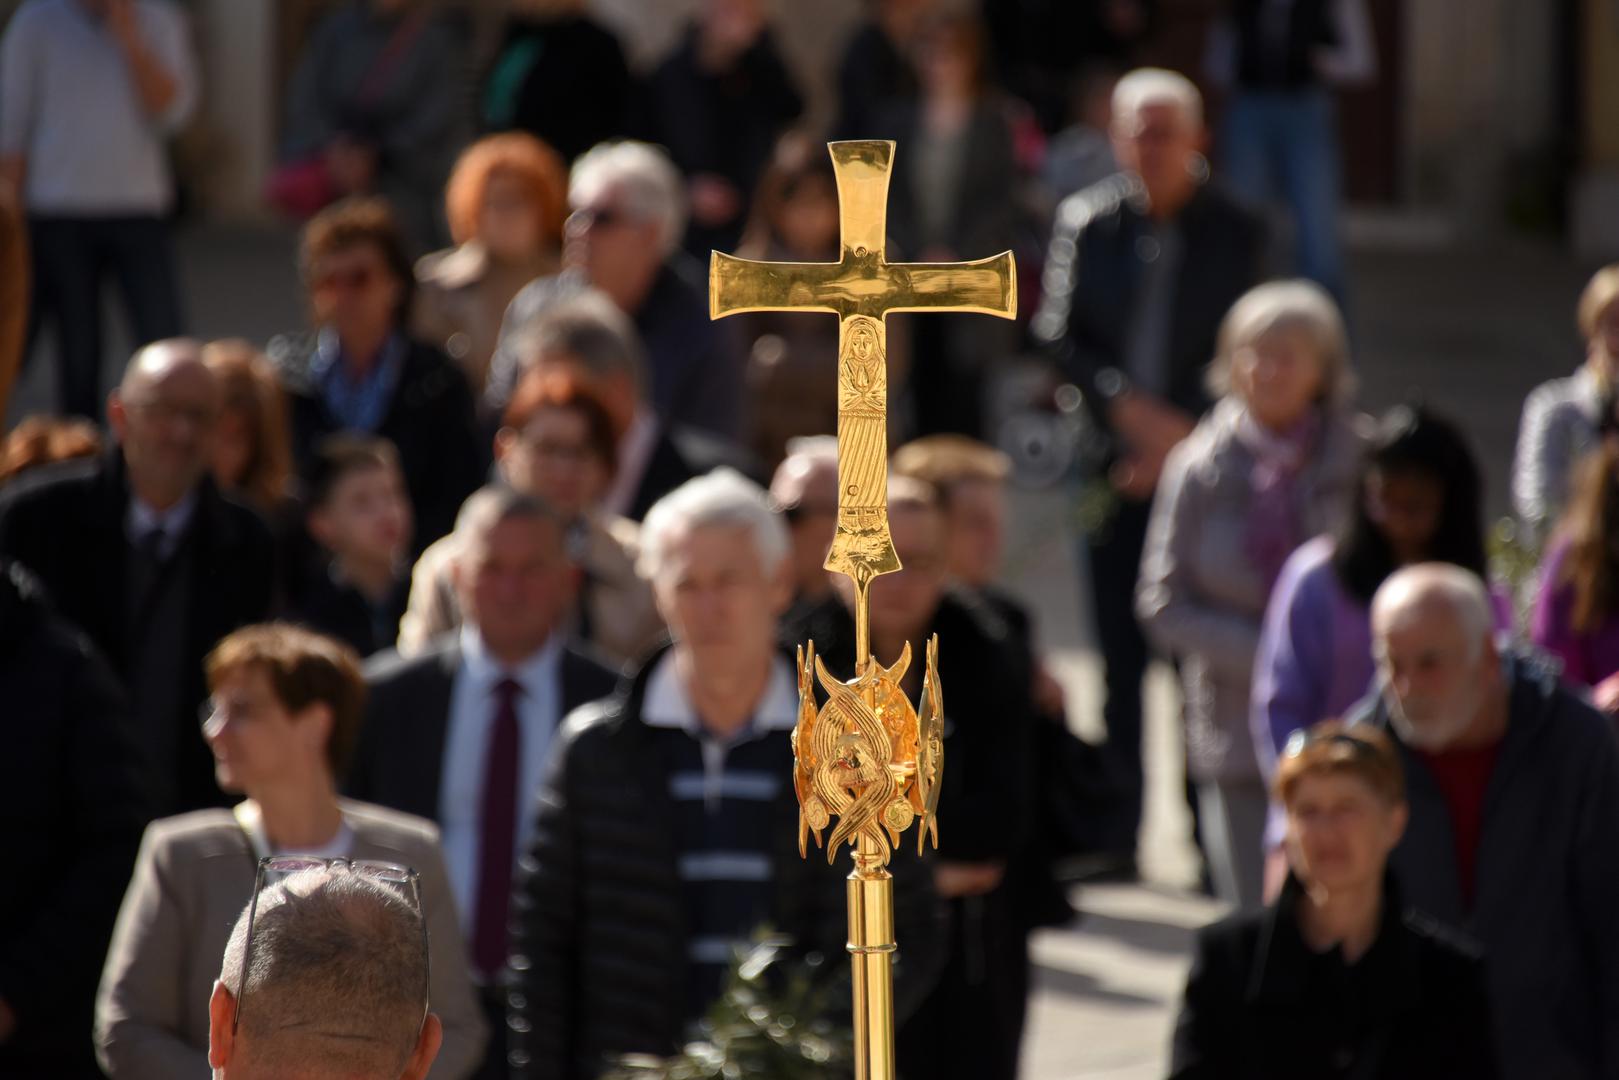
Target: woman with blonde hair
{"points": [[253, 443], [1271, 465], [1564, 418], [506, 202]]}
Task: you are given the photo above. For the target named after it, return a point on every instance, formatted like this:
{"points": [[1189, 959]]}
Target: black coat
{"points": [[71, 815], [599, 945], [987, 798], [562, 80], [398, 762], [1259, 1004], [681, 454], [1546, 877], [971, 1024], [1093, 276], [66, 524], [724, 122], [340, 610], [430, 420]]}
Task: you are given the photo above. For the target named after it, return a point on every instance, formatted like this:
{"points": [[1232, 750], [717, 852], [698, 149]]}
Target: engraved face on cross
{"points": [[861, 288]]}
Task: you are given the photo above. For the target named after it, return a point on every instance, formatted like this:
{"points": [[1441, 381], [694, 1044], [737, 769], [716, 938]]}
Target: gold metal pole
{"points": [[866, 757], [871, 954]]}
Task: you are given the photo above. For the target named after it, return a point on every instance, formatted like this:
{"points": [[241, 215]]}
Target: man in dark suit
{"points": [[142, 552], [71, 814], [1142, 270], [460, 734]]}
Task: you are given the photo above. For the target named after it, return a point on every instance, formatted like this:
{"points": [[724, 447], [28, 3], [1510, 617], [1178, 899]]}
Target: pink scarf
{"points": [[1273, 525]]}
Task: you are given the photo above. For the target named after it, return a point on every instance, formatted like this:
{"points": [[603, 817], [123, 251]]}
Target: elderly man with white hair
{"points": [[1513, 783], [1143, 266], [666, 832], [623, 238]]}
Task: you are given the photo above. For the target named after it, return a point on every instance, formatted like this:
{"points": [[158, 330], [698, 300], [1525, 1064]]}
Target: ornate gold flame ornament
{"points": [[867, 757]]}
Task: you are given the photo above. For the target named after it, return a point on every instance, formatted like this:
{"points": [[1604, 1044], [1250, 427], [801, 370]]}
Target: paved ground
{"points": [[1468, 331]]}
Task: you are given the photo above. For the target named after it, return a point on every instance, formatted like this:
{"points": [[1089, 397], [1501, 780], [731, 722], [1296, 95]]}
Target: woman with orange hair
{"points": [[506, 202]]}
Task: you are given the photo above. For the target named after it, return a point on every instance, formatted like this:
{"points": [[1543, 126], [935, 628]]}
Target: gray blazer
{"points": [[1560, 425], [193, 877], [1201, 599]]}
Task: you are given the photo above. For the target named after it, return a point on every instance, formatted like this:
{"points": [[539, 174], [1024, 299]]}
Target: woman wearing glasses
{"points": [[362, 371], [283, 718], [1338, 978]]}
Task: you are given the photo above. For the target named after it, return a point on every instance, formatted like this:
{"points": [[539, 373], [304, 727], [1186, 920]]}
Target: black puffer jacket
{"points": [[71, 815], [598, 939]]}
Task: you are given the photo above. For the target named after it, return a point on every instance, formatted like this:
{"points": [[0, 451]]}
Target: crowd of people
{"points": [[428, 670]]}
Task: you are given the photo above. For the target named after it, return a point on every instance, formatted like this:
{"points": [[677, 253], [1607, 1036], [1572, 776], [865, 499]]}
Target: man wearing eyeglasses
{"points": [[623, 238], [143, 553], [336, 986]]}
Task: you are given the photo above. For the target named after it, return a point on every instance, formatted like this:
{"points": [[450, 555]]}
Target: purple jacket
{"points": [[1588, 657], [1315, 651], [1314, 659]]}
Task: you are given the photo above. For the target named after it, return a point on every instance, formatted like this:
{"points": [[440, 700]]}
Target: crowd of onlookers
{"points": [[493, 572]]}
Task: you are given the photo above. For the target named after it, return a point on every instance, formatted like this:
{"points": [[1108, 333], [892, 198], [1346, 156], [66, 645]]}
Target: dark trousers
{"points": [[971, 1024], [494, 1067], [73, 257], [1115, 565]]}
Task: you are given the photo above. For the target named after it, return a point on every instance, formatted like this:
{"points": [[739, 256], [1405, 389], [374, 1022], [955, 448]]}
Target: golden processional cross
{"points": [[867, 757]]}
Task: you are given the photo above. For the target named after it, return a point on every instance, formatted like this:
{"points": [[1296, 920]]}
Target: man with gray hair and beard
{"points": [[1514, 835], [335, 987]]}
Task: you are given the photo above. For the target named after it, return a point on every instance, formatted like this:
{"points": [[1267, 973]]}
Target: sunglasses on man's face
{"points": [[401, 877], [357, 280], [587, 218]]}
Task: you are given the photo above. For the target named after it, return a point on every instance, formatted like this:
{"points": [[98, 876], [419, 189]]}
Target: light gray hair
{"points": [[588, 327], [494, 504], [650, 183], [338, 981], [1455, 589], [1286, 305], [1149, 86], [722, 497]]}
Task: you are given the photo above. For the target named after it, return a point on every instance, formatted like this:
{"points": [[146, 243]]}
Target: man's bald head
{"points": [[164, 412], [159, 362], [1435, 589], [336, 986], [1432, 631]]}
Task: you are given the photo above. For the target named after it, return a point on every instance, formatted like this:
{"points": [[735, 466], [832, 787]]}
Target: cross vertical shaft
{"points": [[867, 756]]}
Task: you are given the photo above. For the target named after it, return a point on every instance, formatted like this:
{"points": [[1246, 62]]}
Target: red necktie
{"points": [[496, 848]]}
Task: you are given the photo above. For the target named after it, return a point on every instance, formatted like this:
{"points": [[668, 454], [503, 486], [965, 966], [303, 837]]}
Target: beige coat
{"points": [[461, 298], [623, 621], [193, 878]]}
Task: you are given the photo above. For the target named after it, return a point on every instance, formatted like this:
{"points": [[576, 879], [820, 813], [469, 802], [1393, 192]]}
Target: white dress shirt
{"points": [[466, 746], [634, 455], [141, 519]]}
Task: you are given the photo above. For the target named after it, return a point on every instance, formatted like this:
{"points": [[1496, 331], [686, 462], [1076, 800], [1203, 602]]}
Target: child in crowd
{"points": [[360, 515]]}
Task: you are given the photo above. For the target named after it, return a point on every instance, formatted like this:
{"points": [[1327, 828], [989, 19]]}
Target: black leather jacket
{"points": [[1100, 244]]}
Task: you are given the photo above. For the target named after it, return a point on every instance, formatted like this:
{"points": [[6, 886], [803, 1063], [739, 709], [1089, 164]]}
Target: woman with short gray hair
{"points": [[1272, 465]]}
